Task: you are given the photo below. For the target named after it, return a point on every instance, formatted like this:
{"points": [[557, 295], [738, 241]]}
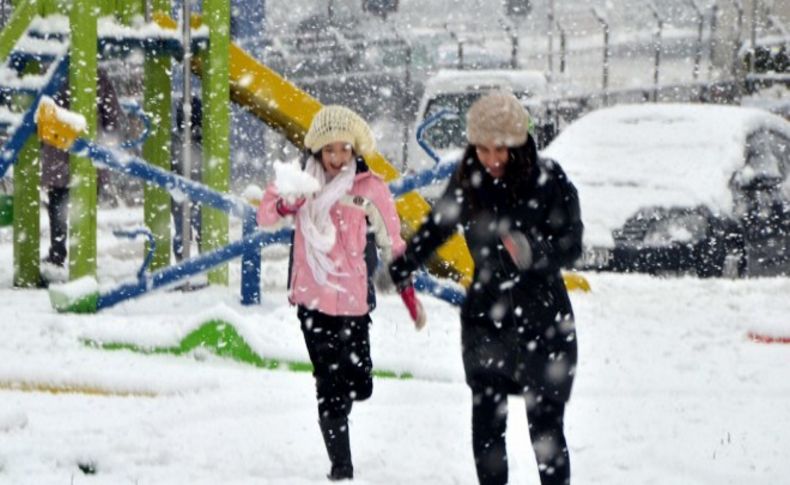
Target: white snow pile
{"points": [[51, 24], [75, 120], [629, 157], [78, 288], [291, 180], [108, 28]]}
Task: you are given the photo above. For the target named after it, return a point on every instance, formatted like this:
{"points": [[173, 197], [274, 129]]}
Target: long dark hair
{"points": [[471, 174]]}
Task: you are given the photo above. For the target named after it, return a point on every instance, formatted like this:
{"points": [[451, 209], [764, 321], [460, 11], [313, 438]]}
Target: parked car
{"points": [[681, 188]]}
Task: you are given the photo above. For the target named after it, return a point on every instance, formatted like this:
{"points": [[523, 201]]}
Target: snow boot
{"points": [[335, 432]]}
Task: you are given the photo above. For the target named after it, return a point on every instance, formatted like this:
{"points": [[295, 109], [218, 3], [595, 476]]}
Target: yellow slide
{"points": [[283, 106]]}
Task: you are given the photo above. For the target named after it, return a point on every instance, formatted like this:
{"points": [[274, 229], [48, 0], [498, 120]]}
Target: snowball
{"points": [[291, 180]]}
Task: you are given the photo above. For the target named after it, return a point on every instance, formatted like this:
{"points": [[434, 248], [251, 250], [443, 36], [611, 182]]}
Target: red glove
{"points": [[414, 306], [285, 209], [517, 245]]}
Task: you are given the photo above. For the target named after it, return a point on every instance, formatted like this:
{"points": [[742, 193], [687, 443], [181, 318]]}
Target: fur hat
{"points": [[335, 123], [498, 118]]}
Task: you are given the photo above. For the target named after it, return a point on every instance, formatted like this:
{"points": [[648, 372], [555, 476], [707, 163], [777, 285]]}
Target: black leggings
{"points": [[489, 421], [339, 349]]}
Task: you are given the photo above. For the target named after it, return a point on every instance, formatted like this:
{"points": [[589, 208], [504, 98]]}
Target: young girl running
{"points": [[332, 263]]}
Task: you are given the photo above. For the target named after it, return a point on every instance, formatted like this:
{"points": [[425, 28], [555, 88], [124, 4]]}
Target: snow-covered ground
{"points": [[669, 390]]}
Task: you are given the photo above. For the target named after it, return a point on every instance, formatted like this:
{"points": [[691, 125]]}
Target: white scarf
{"points": [[315, 221]]}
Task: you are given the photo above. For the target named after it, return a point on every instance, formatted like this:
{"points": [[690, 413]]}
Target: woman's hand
{"points": [[517, 245]]}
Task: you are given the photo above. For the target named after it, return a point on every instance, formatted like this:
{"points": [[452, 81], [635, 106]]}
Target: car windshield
{"points": [[686, 228]]}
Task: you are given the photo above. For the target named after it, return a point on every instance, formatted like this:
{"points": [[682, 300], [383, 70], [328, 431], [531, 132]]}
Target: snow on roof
{"points": [[628, 157], [450, 80]]}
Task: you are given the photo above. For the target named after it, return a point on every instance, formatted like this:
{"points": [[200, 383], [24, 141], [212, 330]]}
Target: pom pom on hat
{"points": [[498, 118], [335, 123]]}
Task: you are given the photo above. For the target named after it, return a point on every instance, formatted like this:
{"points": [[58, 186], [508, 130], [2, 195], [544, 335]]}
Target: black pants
{"points": [[489, 421], [339, 349], [58, 212]]}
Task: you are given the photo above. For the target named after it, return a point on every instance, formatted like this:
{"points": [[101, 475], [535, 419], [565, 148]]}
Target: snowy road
{"points": [[669, 391]]}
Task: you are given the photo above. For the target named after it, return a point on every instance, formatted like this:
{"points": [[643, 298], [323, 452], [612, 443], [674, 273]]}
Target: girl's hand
{"points": [[285, 208], [416, 311]]}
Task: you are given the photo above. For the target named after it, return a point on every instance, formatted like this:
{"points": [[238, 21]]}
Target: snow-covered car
{"points": [[681, 188]]}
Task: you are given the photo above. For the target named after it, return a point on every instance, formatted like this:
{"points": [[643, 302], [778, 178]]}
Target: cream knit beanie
{"points": [[335, 123], [497, 118]]}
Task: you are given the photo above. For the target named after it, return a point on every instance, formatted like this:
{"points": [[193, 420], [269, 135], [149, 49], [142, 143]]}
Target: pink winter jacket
{"points": [[348, 251]]}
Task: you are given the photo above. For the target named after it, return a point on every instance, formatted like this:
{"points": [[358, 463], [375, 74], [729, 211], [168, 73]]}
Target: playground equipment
{"points": [[222, 339], [69, 50], [227, 72]]}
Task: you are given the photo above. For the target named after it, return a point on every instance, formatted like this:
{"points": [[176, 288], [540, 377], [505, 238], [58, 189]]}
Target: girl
{"points": [[332, 262], [520, 216]]}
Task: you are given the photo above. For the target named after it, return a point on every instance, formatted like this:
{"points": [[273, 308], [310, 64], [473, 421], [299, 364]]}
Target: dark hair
{"points": [[359, 161], [521, 162]]}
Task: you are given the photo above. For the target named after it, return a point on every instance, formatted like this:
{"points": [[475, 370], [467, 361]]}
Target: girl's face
{"points": [[335, 156], [494, 158]]}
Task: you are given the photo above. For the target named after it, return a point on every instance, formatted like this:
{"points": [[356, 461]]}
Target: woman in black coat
{"points": [[521, 220]]}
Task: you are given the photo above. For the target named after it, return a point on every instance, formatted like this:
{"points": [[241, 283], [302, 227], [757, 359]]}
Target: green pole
{"points": [[27, 174], [82, 193], [157, 147], [127, 9], [216, 127], [27, 243]]}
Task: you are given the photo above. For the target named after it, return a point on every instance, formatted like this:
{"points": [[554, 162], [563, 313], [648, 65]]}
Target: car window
{"points": [[764, 180], [781, 148], [450, 132], [763, 162]]}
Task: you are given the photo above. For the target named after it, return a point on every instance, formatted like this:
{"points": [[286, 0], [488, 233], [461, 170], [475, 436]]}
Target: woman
{"points": [[520, 216], [332, 262]]}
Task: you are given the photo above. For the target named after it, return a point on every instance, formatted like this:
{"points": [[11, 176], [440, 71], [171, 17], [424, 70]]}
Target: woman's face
{"points": [[335, 156], [494, 158]]}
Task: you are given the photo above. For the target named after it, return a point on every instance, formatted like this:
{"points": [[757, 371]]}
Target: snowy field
{"points": [[669, 390]]}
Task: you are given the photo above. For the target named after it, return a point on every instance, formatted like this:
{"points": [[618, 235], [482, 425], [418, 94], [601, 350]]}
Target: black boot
{"points": [[335, 432]]}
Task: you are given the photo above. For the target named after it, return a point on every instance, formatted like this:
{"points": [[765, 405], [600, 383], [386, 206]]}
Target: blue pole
{"points": [[194, 266], [178, 186], [251, 263], [421, 179], [429, 122]]}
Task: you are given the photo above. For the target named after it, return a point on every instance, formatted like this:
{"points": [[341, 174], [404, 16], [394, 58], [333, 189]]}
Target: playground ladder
{"points": [[20, 90]]}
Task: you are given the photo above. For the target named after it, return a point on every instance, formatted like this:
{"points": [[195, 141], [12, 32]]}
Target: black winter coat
{"points": [[517, 325]]}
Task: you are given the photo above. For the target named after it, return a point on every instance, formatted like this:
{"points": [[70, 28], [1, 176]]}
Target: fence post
{"points": [[605, 81], [454, 36], [700, 26], [737, 68], [512, 33], [563, 47], [658, 46], [551, 37], [714, 14], [755, 4]]}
